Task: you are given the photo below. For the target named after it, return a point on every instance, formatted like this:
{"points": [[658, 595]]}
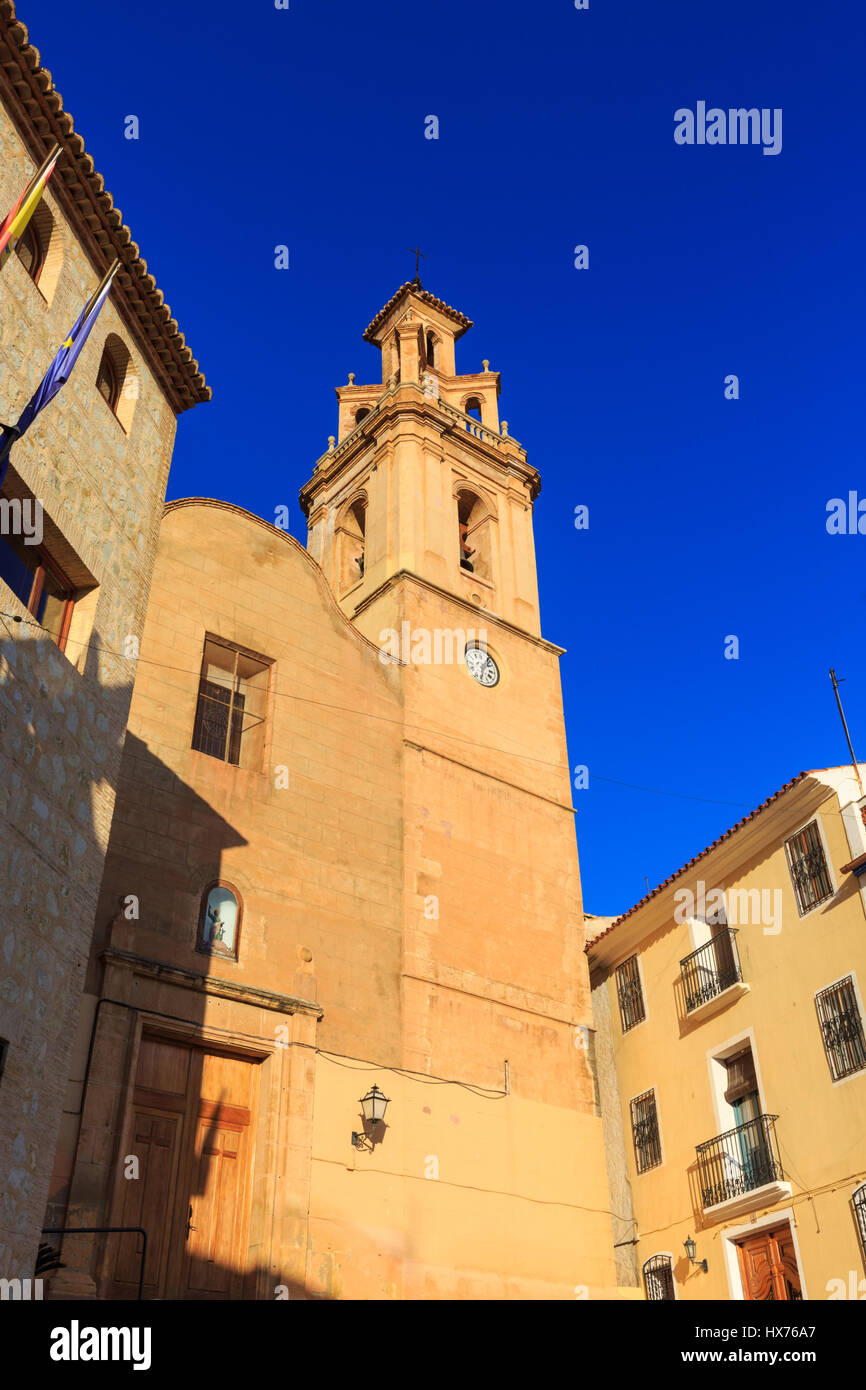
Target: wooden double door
{"points": [[768, 1265], [191, 1134]]}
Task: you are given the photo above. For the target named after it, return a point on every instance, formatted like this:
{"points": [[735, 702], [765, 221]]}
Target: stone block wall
{"points": [[62, 714]]}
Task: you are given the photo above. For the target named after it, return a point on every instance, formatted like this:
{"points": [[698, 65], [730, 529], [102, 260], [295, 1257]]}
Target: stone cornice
{"points": [[410, 400], [211, 984], [472, 608]]}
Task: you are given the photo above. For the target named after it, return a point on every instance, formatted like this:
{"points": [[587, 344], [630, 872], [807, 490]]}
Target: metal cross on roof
{"points": [[416, 252]]}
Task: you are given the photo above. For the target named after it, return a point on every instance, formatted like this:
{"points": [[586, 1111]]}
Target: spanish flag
{"points": [[14, 223], [59, 371]]}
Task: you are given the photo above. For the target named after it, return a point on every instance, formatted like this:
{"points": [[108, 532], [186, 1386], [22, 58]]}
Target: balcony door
{"points": [[745, 1102], [768, 1266]]}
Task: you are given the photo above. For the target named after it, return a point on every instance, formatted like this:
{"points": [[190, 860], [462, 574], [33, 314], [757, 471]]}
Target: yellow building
{"points": [[729, 1011]]}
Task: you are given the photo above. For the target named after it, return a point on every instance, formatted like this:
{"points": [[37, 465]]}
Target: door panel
{"points": [[768, 1265], [191, 1132], [212, 1254], [146, 1202]]}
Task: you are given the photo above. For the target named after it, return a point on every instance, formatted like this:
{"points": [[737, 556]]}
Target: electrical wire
{"points": [[483, 1092], [368, 714]]}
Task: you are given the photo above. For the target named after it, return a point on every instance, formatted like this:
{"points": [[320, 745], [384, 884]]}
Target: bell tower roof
{"points": [[413, 289]]}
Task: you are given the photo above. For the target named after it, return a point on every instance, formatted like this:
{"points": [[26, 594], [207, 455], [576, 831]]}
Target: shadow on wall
{"points": [[160, 1132], [261, 1278], [61, 738]]}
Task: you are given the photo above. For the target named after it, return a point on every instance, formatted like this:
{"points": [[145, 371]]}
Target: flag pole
{"points": [[109, 275], [835, 680], [12, 433], [43, 166]]}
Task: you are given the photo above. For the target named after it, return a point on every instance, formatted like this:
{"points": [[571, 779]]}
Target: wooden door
{"points": [[768, 1266], [191, 1134], [212, 1201]]}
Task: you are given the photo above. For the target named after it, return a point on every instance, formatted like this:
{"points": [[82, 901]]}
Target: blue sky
{"points": [[305, 127]]}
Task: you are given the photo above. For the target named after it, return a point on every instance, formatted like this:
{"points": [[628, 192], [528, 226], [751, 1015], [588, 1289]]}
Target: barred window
{"points": [[809, 873], [859, 1202], [658, 1279], [232, 699], [842, 1028], [645, 1132], [630, 994]]}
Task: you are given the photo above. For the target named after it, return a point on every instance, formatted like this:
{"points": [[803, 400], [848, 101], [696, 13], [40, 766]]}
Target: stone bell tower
{"points": [[420, 515], [417, 457]]}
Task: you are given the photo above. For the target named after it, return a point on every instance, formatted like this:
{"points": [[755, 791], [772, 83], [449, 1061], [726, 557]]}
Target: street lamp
{"points": [[373, 1106], [690, 1251]]}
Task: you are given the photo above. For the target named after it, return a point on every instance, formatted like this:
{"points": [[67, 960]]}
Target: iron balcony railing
{"points": [[713, 967], [738, 1161]]}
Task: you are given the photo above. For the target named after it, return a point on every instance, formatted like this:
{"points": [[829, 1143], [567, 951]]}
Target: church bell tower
{"points": [[420, 516], [423, 478]]}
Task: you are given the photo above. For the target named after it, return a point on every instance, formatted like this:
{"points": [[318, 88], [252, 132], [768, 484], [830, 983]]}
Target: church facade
{"points": [[342, 865]]}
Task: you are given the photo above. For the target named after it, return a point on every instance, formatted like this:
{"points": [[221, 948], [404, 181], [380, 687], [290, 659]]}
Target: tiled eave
{"points": [[414, 287], [37, 108], [799, 797]]}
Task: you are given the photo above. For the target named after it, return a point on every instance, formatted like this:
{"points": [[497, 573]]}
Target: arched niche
{"points": [[219, 924], [351, 537], [474, 522]]}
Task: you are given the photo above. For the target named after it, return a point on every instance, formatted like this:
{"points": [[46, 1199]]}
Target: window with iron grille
{"points": [[658, 1279], [630, 994], [645, 1132], [859, 1203], [231, 707], [842, 1028], [809, 873]]}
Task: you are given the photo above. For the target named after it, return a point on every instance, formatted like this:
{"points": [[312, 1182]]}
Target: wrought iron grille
{"points": [[645, 1132], [859, 1203], [808, 866], [842, 1028], [630, 994], [710, 969], [216, 709], [739, 1161], [658, 1279], [232, 694]]}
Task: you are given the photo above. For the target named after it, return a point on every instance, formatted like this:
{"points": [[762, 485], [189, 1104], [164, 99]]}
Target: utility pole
{"points": [[845, 727]]}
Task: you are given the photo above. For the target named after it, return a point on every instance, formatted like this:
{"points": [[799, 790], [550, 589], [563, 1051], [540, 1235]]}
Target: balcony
{"points": [[712, 976], [741, 1170]]}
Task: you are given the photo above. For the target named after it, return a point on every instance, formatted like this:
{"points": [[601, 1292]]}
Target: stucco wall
{"points": [[820, 1124]]}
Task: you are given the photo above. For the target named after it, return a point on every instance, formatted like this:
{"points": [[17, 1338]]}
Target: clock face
{"points": [[481, 666]]}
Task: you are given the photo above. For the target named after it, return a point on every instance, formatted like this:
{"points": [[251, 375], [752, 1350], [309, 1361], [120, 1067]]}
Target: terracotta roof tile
{"points": [[671, 879], [37, 107], [460, 319]]}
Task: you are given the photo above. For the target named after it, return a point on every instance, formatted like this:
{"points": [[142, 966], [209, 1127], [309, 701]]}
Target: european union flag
{"points": [[59, 371]]}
